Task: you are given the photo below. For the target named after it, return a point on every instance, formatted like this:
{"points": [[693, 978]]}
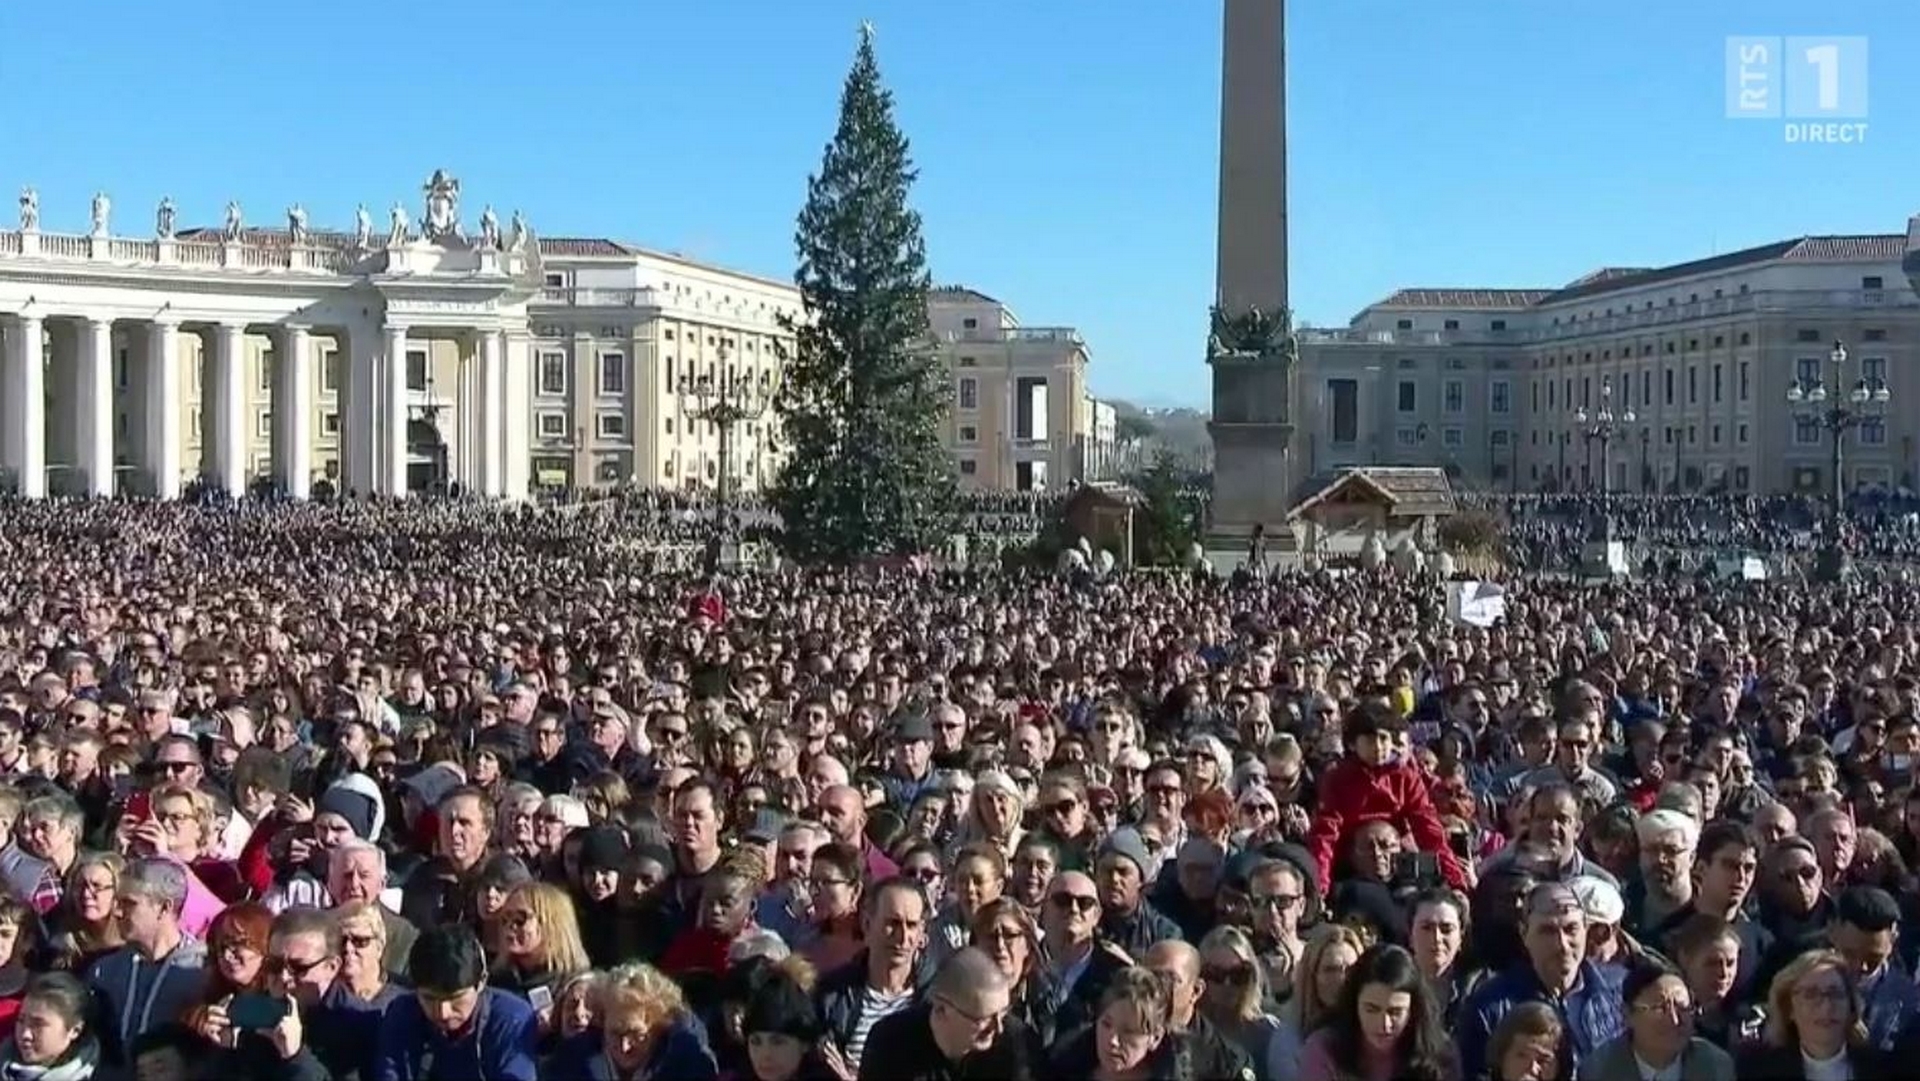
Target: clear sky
{"points": [[1066, 147]]}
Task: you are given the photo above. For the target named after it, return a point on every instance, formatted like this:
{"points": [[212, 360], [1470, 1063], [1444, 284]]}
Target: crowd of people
{"points": [[1545, 531], [418, 791]]}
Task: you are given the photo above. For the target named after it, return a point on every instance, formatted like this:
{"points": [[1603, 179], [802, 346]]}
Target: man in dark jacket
{"points": [[1555, 973], [453, 1025], [1213, 1055], [1127, 919], [962, 1030], [1077, 966]]}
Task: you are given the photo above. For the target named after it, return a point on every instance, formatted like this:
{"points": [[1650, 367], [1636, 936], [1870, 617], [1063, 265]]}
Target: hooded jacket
{"points": [[137, 994], [501, 1043]]}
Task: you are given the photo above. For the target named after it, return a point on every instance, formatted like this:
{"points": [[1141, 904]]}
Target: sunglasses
{"points": [[1061, 807], [1079, 902], [287, 966]]}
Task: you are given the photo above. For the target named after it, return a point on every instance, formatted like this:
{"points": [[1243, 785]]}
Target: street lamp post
{"points": [[1827, 402], [726, 399], [1603, 426], [1646, 469]]}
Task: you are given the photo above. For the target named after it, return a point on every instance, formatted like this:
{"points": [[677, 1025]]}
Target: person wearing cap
{"points": [[910, 769], [1374, 782], [351, 808], [1127, 919], [1554, 972], [1865, 928]]}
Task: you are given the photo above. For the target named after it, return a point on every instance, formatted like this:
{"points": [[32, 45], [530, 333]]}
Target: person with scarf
{"points": [[55, 1043]]}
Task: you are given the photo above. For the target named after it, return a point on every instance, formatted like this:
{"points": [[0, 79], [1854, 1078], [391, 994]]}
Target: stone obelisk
{"points": [[1251, 347]]}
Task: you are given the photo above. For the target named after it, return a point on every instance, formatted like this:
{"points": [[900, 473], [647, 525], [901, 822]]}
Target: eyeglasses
{"points": [[922, 874], [670, 735], [358, 942], [1806, 872], [1672, 1007], [297, 969], [1004, 934], [1278, 901], [175, 767], [1077, 901], [1062, 807], [829, 883], [1259, 808]]}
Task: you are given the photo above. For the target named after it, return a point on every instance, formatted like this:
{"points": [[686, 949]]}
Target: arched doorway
{"points": [[426, 458]]}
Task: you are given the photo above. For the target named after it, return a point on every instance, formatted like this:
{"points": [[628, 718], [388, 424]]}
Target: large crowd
{"points": [[416, 791], [1545, 531]]}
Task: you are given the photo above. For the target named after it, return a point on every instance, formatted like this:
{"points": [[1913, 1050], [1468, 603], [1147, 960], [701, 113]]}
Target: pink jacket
{"points": [[201, 907]]}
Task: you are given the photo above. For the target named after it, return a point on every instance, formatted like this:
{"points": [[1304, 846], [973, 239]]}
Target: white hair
{"points": [[568, 810], [758, 943], [1656, 824], [343, 852]]}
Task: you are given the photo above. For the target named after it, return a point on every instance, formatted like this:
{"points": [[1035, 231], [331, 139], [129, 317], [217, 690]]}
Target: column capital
{"points": [[296, 328], [95, 323]]}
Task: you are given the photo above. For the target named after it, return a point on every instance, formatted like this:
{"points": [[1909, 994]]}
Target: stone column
{"points": [[293, 413], [359, 444], [96, 406], [162, 408], [390, 420], [23, 407], [493, 414], [516, 417], [227, 391], [466, 421]]}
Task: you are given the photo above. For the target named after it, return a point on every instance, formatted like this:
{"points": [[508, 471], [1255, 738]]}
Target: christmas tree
{"points": [[864, 392]]}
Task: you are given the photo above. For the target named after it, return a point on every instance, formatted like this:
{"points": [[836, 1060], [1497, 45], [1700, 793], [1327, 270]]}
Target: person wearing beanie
{"points": [[1127, 919], [604, 926], [352, 808], [1374, 781], [781, 1011]]}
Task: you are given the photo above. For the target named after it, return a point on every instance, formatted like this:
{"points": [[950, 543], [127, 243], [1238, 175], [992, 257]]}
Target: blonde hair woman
{"points": [[645, 1030], [1816, 1024], [994, 814], [363, 946], [1236, 989], [539, 941], [1329, 953], [85, 925]]}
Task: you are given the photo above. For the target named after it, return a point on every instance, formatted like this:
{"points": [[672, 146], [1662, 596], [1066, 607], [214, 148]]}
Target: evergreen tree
{"points": [[1167, 514], [864, 396]]}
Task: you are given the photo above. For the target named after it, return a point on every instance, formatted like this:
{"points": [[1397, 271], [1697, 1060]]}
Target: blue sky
{"points": [[1066, 147]]}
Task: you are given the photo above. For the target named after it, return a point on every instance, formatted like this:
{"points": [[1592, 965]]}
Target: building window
{"points": [[1872, 281], [1452, 324], [416, 369], [669, 425], [1807, 370], [556, 280], [1874, 371], [1497, 324], [1501, 437], [1345, 395], [610, 425], [1807, 334], [1406, 364], [1873, 431], [1500, 397], [1719, 384], [1746, 380], [330, 424], [1693, 386], [1806, 431], [969, 434], [1450, 437], [968, 362], [330, 373], [968, 467], [1407, 437], [1669, 396], [553, 375], [552, 425], [613, 375], [263, 424], [969, 394], [1403, 324], [1409, 396], [1874, 334], [1740, 434], [1646, 389], [266, 372], [1455, 399]]}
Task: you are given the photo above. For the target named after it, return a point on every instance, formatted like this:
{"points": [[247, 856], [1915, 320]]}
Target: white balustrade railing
{"points": [[63, 246], [133, 251], [9, 243], [196, 253]]}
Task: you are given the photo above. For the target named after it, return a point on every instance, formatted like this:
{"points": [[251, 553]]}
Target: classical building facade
{"points": [[1023, 418], [427, 354], [1487, 382]]}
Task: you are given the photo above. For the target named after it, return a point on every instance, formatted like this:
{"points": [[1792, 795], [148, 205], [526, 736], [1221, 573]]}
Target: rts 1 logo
{"points": [[1812, 83]]}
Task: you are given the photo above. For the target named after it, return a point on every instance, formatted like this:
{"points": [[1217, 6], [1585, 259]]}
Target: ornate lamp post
{"points": [[726, 399], [1603, 426], [1826, 401]]}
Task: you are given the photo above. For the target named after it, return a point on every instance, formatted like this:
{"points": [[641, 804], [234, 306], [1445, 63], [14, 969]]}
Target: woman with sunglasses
{"points": [[1235, 993], [237, 952], [361, 992]]}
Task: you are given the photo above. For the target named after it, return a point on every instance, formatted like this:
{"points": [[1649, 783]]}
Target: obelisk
{"points": [[1250, 347]]}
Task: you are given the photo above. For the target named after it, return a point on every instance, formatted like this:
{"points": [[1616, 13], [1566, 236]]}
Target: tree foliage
{"points": [[1167, 514], [864, 396]]}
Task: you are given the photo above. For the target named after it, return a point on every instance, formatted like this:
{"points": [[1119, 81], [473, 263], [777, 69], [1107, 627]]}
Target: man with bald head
{"points": [[1213, 1054], [844, 814], [963, 1028]]}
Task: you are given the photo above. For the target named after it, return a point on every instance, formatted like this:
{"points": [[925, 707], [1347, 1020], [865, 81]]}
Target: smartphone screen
{"points": [[542, 999], [255, 1011], [140, 806]]}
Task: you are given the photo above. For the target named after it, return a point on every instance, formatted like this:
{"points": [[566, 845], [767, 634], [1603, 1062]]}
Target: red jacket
{"points": [[1353, 792]]}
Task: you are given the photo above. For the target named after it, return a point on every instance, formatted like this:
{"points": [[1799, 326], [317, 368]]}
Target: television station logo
{"points": [[1816, 86]]}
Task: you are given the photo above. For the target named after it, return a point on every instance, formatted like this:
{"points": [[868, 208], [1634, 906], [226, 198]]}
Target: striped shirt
{"points": [[874, 1006]]}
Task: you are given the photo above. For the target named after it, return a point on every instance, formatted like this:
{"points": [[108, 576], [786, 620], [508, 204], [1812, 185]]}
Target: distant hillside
{"points": [[1147, 431]]}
